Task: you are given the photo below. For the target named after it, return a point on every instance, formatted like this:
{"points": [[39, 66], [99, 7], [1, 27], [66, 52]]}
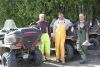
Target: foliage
{"points": [[25, 11]]}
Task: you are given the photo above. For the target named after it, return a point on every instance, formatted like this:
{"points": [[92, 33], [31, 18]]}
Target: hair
{"points": [[41, 15], [61, 12], [82, 14]]}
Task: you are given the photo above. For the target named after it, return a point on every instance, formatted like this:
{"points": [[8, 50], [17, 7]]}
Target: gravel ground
{"points": [[93, 58]]}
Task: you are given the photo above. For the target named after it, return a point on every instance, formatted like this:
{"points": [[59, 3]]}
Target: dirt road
{"points": [[93, 58]]}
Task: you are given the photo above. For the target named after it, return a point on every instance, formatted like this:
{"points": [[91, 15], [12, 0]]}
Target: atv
{"points": [[94, 35], [19, 45]]}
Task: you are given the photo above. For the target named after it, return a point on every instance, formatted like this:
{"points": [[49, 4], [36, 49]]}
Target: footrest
{"points": [[52, 49]]}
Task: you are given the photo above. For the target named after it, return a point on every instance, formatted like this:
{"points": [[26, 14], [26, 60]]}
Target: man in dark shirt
{"points": [[45, 47]]}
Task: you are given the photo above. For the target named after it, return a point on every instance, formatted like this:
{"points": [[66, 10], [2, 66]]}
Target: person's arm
{"points": [[69, 24], [72, 26], [47, 27], [86, 27], [54, 26], [38, 25]]}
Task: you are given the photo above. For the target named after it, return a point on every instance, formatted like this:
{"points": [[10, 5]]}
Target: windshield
{"points": [[9, 24]]}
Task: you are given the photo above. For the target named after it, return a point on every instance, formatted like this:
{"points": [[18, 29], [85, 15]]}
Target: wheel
{"points": [[69, 52], [37, 58], [98, 39], [94, 44], [9, 60]]}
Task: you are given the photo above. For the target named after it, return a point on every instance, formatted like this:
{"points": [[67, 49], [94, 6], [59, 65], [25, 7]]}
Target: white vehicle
{"points": [[19, 44]]}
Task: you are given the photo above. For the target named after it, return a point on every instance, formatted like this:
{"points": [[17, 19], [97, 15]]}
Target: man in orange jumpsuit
{"points": [[59, 30]]}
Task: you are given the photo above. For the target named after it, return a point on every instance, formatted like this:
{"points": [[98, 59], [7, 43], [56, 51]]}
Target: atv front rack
{"points": [[9, 46]]}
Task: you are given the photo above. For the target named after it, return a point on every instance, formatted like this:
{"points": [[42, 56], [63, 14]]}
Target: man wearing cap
{"points": [[45, 46]]}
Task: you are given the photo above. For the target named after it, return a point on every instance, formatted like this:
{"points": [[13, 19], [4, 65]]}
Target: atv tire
{"points": [[9, 60], [37, 57], [69, 52], [94, 44]]}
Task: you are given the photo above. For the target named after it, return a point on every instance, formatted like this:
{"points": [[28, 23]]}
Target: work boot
{"points": [[63, 61], [57, 60], [47, 59], [82, 62], [44, 58]]}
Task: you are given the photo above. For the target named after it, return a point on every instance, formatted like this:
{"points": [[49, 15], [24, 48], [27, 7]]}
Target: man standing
{"points": [[82, 27], [45, 47], [59, 30]]}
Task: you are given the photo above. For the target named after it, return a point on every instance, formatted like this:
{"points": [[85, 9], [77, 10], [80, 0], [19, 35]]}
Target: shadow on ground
{"points": [[93, 59]]}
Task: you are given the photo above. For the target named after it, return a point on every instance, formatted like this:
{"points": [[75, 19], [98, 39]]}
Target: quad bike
{"points": [[19, 44], [94, 35]]}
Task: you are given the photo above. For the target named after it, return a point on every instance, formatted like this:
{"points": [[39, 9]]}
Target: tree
{"points": [[26, 11]]}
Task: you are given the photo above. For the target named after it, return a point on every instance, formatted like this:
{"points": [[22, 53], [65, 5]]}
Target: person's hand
{"points": [[52, 36], [72, 29]]}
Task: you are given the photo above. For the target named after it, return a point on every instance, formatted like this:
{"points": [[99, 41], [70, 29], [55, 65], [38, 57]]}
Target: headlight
{"points": [[10, 39]]}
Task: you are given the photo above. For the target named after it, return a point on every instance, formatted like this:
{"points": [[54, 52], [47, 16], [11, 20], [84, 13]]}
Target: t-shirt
{"points": [[43, 25]]}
